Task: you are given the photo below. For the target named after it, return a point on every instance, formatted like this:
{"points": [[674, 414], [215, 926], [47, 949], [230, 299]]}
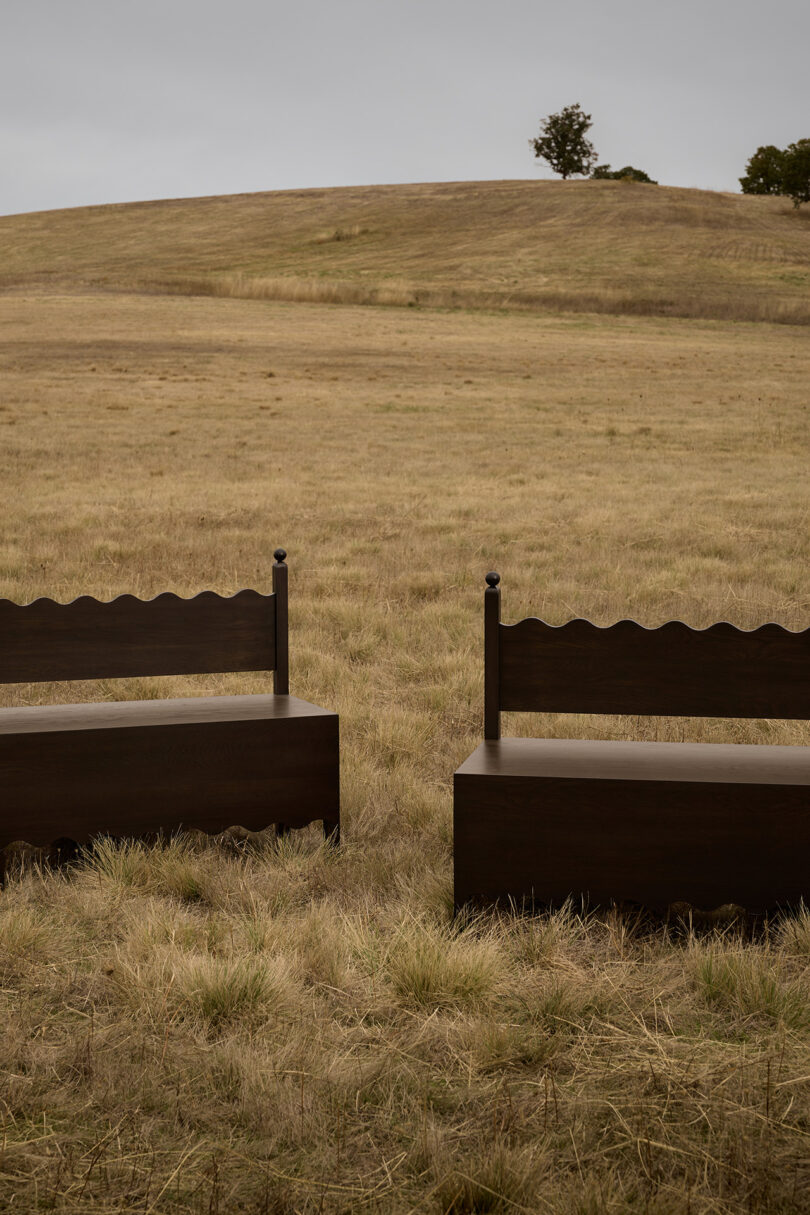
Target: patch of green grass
{"points": [[747, 983], [428, 966], [225, 990]]}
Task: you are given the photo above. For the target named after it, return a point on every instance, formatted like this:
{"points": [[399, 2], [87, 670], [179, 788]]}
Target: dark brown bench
{"points": [[537, 820], [143, 767]]}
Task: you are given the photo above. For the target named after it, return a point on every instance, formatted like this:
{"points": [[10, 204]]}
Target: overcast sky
{"points": [[115, 100]]}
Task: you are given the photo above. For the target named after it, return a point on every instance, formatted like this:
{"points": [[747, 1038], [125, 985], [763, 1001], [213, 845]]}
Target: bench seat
{"points": [[599, 759], [139, 767], [646, 822]]}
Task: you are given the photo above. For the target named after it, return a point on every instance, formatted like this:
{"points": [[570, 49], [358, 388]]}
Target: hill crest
{"points": [[599, 246]]}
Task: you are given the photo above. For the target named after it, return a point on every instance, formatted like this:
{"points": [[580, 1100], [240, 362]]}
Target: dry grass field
{"points": [[592, 246], [280, 1029]]}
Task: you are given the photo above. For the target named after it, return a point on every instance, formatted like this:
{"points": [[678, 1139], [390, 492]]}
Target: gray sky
{"points": [[116, 100]]}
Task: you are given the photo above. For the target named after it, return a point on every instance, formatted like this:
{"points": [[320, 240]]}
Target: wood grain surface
{"points": [[674, 670], [598, 759], [539, 840], [210, 771], [86, 639], [179, 710]]}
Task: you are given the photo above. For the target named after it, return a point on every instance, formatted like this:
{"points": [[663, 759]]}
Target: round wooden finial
{"points": [[492, 579], [280, 555]]}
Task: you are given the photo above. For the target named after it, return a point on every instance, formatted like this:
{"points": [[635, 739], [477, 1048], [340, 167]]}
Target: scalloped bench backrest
{"points": [[86, 639], [672, 671]]}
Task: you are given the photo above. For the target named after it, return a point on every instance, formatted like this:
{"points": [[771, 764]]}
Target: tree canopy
{"points": [[763, 173], [772, 170], [562, 142], [796, 172], [628, 173]]}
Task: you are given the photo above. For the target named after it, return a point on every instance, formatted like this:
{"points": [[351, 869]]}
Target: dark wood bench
{"points": [[143, 767], [539, 819]]}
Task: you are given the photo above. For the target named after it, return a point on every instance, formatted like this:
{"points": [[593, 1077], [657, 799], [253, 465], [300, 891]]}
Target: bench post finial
{"points": [[281, 674], [492, 657]]}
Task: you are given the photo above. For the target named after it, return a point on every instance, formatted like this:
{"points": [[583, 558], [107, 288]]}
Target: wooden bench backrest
{"points": [[86, 639], [671, 671]]}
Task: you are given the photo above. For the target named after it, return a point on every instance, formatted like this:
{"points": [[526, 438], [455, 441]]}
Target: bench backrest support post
{"points": [[492, 657], [281, 674]]}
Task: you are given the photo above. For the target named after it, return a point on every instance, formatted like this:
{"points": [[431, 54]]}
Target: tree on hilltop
{"points": [[628, 173], [796, 172], [772, 170], [562, 142], [763, 173]]}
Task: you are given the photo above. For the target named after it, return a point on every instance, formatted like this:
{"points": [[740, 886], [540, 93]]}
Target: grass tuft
{"points": [[750, 983], [28, 939], [221, 991], [429, 966], [497, 1179]]}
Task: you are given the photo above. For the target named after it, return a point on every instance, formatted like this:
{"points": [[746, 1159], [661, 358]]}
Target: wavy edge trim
{"points": [[42, 600], [626, 622], [234, 831]]}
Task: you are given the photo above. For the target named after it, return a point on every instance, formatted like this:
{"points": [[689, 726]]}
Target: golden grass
{"points": [[587, 246], [284, 1029]]}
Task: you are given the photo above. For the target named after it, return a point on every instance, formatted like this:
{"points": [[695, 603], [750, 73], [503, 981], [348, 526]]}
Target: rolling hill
{"points": [[600, 246]]}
